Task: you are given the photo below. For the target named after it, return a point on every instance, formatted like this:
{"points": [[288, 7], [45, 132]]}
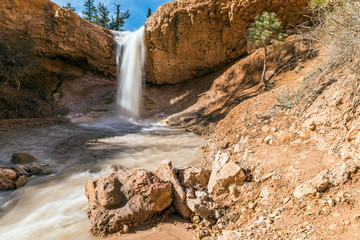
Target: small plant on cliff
{"points": [[70, 7], [265, 30], [148, 13]]}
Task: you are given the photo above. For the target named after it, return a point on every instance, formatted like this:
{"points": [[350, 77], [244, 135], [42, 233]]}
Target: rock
{"points": [[200, 205], [6, 184], [268, 139], [267, 176], [66, 42], [305, 135], [21, 170], [220, 160], [126, 229], [284, 136], [21, 181], [304, 191], [200, 36], [321, 182], [8, 173], [312, 126], [353, 133], [22, 158], [196, 178], [166, 173], [125, 198], [265, 129], [37, 169], [195, 219], [229, 174]]}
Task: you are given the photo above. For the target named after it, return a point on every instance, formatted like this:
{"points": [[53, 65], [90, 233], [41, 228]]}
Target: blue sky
{"points": [[138, 9]]}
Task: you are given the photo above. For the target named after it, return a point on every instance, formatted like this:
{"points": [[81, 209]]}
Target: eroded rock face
{"points": [[65, 42], [125, 198], [166, 172], [189, 38]]}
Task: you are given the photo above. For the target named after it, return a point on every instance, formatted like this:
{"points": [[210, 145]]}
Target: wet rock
{"points": [[196, 178], [21, 170], [8, 173], [125, 198], [6, 184], [37, 169], [21, 181], [229, 174], [166, 173], [22, 158]]}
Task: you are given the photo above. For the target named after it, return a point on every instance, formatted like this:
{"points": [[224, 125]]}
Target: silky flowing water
{"points": [[55, 206]]}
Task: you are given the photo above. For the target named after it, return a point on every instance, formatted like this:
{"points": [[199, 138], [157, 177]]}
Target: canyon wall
{"points": [[72, 63], [60, 36], [189, 38]]}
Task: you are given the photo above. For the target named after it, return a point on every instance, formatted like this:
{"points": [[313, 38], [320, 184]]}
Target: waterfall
{"points": [[130, 60]]}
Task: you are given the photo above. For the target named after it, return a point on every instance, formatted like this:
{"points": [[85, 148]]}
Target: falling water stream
{"points": [[130, 59], [55, 206]]}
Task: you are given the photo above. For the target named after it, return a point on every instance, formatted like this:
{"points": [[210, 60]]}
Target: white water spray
{"points": [[130, 60]]}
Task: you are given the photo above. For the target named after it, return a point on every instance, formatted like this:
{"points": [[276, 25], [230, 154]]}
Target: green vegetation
{"points": [[118, 21], [68, 6], [102, 16], [148, 13], [265, 30], [90, 12]]}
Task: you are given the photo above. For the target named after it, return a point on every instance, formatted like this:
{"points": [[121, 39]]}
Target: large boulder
{"points": [[120, 200], [190, 38], [62, 38]]}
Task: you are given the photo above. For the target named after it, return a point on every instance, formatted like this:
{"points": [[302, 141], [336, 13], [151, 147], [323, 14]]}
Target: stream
{"points": [[55, 206]]}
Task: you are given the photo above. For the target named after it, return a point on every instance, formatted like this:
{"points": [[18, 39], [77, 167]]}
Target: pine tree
{"points": [[102, 18], [118, 22], [68, 6], [148, 13], [90, 10], [265, 30]]}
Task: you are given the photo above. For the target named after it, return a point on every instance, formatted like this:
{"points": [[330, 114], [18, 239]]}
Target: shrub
{"points": [[265, 30], [17, 61]]}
